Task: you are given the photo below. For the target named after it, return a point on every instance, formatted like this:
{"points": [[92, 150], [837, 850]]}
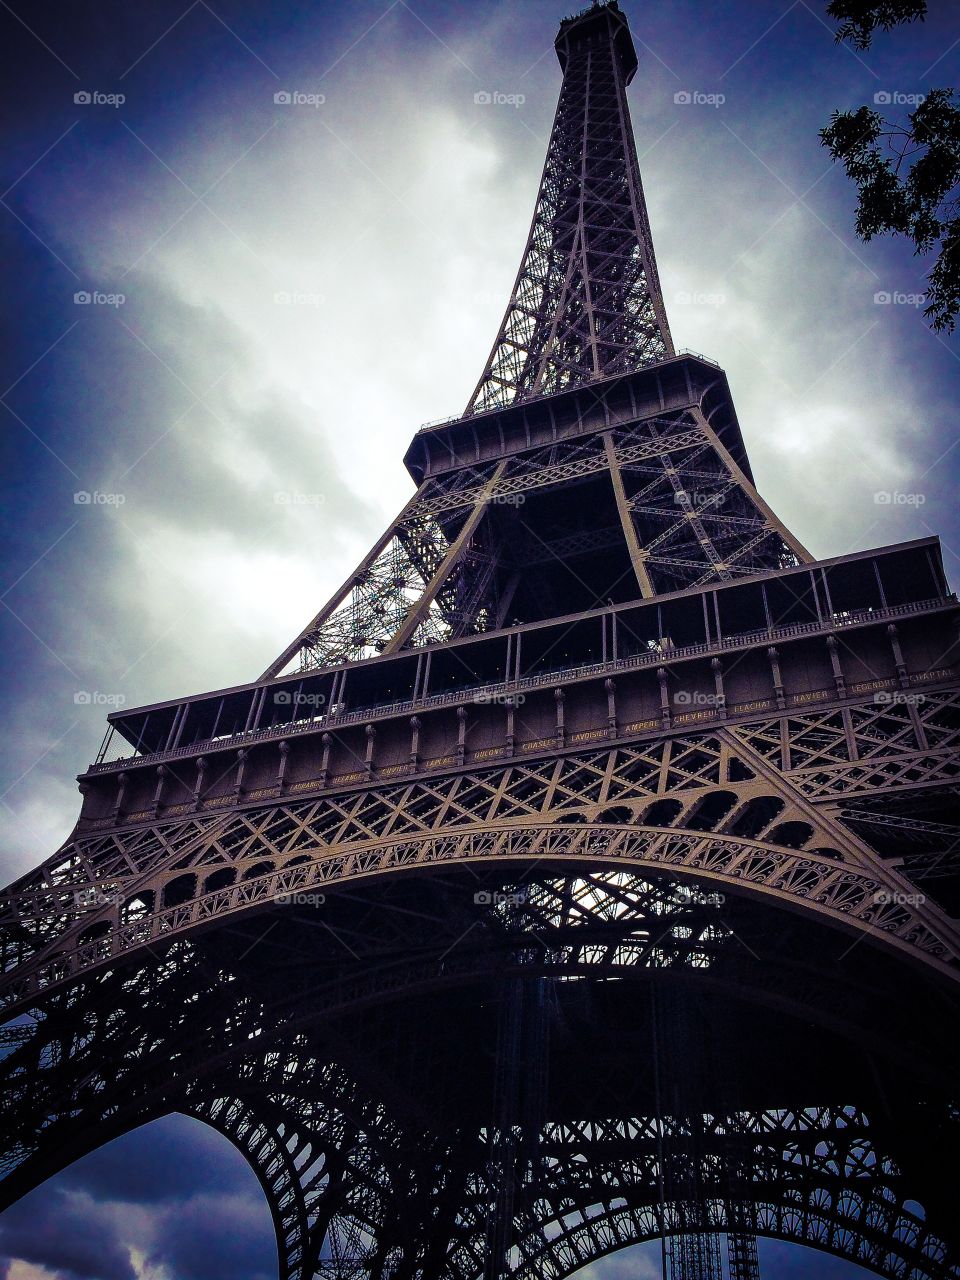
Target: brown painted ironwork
{"points": [[584, 873]]}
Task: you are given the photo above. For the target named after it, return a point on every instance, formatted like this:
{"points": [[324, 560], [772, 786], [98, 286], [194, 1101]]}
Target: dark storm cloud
{"points": [[173, 1199], [162, 1162], [787, 1262], [70, 1235], [188, 449], [217, 1239]]}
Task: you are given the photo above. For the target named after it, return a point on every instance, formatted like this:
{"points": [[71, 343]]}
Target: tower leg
{"points": [[743, 1262], [519, 1108], [695, 1255]]}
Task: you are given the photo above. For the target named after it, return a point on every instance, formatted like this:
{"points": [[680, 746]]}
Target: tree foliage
{"points": [[907, 175], [859, 19]]}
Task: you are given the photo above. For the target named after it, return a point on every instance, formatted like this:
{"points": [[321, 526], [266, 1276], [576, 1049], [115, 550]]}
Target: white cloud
{"points": [[27, 1271]]}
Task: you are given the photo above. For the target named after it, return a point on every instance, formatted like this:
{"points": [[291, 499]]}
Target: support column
{"points": [[743, 1261], [419, 610], [637, 556], [520, 1105]]}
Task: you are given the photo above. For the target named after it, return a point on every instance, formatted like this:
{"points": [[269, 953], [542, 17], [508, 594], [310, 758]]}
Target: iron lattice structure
{"points": [[586, 303], [584, 873]]}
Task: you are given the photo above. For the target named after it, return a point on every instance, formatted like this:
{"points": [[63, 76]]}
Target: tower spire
{"points": [[592, 465], [586, 303]]}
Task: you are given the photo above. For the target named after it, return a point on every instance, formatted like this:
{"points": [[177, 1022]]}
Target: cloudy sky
{"points": [[283, 292]]}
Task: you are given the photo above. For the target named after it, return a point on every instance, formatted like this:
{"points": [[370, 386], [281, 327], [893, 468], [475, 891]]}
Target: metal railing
{"points": [[459, 417], [655, 657]]}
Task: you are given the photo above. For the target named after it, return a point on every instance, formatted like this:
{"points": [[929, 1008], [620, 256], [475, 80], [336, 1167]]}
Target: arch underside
{"points": [[350, 1196], [709, 806], [376, 1167], [315, 977]]}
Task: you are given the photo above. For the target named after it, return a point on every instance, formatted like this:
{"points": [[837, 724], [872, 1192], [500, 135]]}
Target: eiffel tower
{"points": [[581, 875]]}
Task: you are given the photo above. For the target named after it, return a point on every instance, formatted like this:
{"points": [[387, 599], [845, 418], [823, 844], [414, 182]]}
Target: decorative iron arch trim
{"points": [[860, 900], [811, 1192]]}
